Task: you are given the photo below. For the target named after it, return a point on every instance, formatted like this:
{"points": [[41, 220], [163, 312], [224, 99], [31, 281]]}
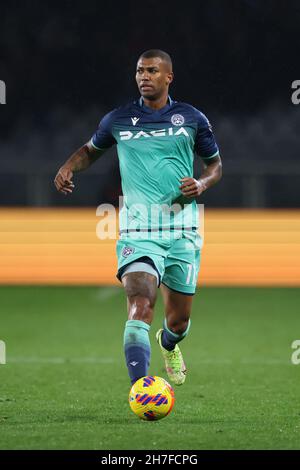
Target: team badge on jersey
{"points": [[127, 250], [177, 120]]}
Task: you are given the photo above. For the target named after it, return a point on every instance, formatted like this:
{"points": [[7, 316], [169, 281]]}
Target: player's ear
{"points": [[170, 77]]}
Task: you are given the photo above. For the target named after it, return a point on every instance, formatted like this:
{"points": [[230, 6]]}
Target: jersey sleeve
{"points": [[103, 138], [205, 142]]}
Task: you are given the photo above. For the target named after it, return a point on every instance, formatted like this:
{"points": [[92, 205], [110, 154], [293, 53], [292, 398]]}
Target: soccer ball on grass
{"points": [[151, 398]]}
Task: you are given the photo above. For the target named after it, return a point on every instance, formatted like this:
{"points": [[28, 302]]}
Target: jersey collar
{"points": [[146, 108]]}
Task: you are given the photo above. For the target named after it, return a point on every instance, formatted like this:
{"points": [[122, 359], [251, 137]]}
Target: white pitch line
{"points": [[110, 360], [243, 362], [265, 362], [106, 293]]}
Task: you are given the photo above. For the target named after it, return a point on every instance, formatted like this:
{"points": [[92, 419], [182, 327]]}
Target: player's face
{"points": [[153, 77]]}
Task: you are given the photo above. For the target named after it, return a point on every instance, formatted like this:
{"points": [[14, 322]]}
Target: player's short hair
{"points": [[151, 53]]}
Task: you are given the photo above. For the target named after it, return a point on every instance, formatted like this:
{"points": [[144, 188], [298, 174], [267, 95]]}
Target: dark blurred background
{"points": [[67, 63]]}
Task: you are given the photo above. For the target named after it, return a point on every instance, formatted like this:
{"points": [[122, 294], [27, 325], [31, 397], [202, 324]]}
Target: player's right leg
{"points": [[141, 291]]}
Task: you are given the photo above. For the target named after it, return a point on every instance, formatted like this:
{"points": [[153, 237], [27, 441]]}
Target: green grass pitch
{"points": [[65, 384]]}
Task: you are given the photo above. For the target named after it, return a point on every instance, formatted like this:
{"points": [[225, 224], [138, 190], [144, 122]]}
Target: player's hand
{"points": [[63, 181], [191, 187]]}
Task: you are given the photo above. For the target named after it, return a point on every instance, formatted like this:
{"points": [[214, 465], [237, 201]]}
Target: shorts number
{"points": [[191, 269]]}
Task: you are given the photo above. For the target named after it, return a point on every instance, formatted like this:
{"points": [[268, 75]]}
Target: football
{"points": [[151, 398]]}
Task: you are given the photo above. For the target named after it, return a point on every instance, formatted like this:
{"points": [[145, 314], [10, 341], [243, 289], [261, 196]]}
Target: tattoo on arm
{"points": [[83, 158]]}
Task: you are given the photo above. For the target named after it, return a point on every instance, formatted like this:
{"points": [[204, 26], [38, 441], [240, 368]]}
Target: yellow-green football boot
{"points": [[174, 363]]}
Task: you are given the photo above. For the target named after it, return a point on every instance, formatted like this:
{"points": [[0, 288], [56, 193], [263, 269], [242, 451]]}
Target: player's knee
{"points": [[178, 326]]}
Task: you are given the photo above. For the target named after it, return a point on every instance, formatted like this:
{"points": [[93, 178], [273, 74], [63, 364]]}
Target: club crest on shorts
{"points": [[177, 120], [127, 250]]}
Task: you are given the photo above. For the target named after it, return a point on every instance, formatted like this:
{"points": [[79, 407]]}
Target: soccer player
{"points": [[159, 245]]}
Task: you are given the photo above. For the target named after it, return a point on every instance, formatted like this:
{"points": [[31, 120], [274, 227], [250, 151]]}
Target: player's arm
{"points": [[207, 148], [82, 159], [212, 173]]}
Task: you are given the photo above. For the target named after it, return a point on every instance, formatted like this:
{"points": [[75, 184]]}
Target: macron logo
{"points": [[135, 120], [133, 363]]}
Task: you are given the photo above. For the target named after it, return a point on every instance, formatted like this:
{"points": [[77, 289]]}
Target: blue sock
{"points": [[137, 348], [170, 339]]}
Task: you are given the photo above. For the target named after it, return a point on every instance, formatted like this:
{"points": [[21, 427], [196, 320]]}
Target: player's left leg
{"points": [[178, 286], [176, 326], [178, 308]]}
